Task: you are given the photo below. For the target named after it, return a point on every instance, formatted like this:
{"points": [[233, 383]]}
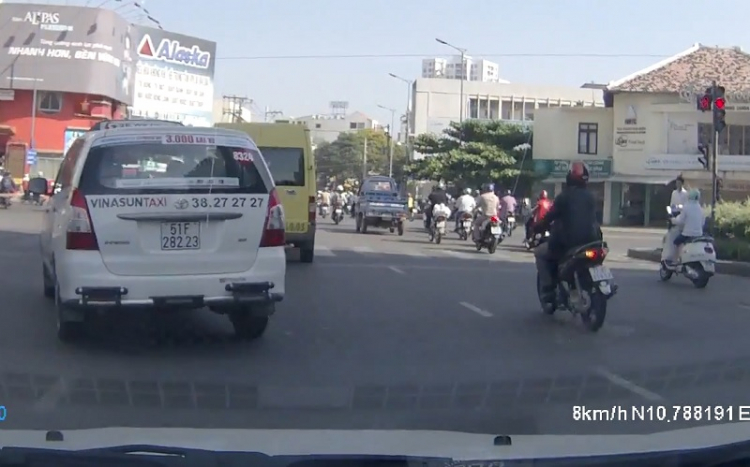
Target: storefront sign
{"points": [[629, 136], [690, 162], [558, 168]]}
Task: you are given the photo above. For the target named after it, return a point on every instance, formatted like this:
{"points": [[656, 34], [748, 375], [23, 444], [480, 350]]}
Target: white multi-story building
{"points": [[329, 127], [437, 102], [472, 70]]}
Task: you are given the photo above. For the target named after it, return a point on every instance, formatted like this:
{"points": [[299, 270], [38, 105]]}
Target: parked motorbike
{"points": [[338, 215], [491, 236], [465, 226], [584, 285], [697, 258]]}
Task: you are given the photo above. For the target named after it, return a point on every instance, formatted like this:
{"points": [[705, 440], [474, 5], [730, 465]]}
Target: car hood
{"points": [[455, 445]]}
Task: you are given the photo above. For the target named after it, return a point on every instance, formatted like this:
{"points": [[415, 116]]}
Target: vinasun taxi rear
{"points": [[164, 216]]}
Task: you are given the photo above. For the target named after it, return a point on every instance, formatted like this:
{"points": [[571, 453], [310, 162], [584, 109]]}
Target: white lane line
{"points": [[363, 249], [628, 385], [414, 253], [476, 309], [744, 305], [323, 251], [396, 270]]}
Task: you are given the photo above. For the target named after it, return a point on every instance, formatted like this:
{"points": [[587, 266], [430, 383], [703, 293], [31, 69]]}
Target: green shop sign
{"points": [[558, 168]]}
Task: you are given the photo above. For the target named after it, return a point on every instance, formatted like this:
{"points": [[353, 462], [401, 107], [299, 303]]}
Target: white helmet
{"points": [[339, 188], [467, 191]]}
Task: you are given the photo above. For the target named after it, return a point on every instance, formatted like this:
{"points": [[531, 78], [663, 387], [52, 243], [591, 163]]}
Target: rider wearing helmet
{"points": [[487, 206], [571, 222], [690, 222], [543, 205], [438, 196], [337, 198], [508, 205], [465, 204]]}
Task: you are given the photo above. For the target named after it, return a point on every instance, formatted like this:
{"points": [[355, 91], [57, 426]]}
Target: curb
{"points": [[730, 268]]}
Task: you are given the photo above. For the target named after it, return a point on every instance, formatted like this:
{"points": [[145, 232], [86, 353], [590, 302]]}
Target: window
{"points": [[67, 168], [735, 140], [318, 125], [50, 102], [588, 138], [287, 165], [353, 125], [147, 168]]}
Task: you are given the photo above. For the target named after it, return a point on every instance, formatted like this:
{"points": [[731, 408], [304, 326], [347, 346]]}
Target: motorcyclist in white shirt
{"points": [[676, 202], [689, 223], [465, 204]]}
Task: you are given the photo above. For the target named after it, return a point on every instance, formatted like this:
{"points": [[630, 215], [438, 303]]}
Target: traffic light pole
{"points": [[714, 162]]}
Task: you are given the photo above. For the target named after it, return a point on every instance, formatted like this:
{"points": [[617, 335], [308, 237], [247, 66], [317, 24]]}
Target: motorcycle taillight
{"points": [[494, 220], [596, 254]]}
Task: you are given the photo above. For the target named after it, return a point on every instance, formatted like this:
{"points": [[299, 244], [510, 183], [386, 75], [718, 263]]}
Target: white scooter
{"points": [[440, 214], [697, 259]]}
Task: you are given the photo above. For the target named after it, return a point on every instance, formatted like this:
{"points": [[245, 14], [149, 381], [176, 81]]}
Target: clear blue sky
{"points": [[487, 28]]}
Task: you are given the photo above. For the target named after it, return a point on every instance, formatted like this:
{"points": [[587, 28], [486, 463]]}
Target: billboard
{"points": [[174, 78], [66, 49]]}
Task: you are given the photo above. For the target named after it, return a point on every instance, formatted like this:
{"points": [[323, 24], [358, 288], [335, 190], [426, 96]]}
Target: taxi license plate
{"points": [[600, 273], [180, 236], [495, 230]]}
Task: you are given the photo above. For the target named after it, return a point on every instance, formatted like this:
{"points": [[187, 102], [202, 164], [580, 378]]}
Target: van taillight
{"points": [[80, 232], [312, 209], [273, 232]]}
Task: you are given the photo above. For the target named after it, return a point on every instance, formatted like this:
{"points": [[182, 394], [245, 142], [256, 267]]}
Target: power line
{"points": [[492, 55]]}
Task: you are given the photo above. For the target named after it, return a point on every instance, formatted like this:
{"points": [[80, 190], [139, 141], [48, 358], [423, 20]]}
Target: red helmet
{"points": [[578, 174], [543, 194]]}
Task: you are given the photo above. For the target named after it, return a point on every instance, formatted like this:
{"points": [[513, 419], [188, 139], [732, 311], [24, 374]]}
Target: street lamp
{"points": [[463, 74], [407, 125], [390, 147]]}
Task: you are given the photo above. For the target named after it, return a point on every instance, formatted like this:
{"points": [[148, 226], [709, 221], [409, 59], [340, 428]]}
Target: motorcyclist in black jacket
{"points": [[438, 196], [571, 222]]}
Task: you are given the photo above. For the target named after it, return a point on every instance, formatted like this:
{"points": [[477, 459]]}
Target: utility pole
{"points": [[390, 138], [364, 162], [714, 100], [269, 115], [232, 107]]}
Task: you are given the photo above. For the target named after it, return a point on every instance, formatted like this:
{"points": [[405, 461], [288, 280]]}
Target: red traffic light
{"points": [[720, 103], [705, 102]]}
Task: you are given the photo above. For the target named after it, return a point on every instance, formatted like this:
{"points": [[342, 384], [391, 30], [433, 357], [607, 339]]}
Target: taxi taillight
{"points": [[274, 233], [80, 233]]}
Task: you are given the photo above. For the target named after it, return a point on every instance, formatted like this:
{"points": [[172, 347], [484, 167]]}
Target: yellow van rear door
{"points": [[287, 166]]}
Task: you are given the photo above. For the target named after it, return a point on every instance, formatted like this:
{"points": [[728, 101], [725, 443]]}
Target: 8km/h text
{"points": [[663, 413]]}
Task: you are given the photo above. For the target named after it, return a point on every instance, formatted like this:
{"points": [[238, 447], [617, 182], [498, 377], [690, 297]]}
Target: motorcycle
{"points": [[338, 215], [697, 258], [536, 240], [510, 224], [440, 214], [4, 202], [465, 226], [584, 285], [324, 211], [491, 236]]}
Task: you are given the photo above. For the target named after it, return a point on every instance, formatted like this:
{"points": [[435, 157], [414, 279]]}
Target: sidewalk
{"points": [[731, 268]]}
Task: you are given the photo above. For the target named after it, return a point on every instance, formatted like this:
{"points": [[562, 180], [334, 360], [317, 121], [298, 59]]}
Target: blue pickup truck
{"points": [[379, 205]]}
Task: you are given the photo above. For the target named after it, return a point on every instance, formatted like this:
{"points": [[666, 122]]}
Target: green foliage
{"points": [[343, 158], [732, 230], [473, 153]]}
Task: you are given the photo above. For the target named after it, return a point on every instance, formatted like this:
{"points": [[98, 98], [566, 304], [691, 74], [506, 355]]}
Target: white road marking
{"points": [[628, 385], [413, 252], [744, 305], [323, 251], [455, 254], [476, 309], [396, 270], [363, 249]]}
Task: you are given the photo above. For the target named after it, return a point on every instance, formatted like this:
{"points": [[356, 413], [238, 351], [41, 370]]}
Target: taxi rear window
{"points": [[143, 168]]}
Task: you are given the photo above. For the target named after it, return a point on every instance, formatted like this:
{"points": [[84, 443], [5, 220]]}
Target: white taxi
{"points": [[164, 216]]}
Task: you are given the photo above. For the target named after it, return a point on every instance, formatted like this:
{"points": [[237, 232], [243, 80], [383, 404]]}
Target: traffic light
{"points": [[704, 159], [704, 101], [719, 106]]}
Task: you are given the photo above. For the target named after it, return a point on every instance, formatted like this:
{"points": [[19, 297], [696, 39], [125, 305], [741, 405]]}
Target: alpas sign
{"points": [[171, 51]]}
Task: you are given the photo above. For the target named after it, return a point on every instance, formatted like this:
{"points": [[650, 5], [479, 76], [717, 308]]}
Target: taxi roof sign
{"points": [[112, 124]]}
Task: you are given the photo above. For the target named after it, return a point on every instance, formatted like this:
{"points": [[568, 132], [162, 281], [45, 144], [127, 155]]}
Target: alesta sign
{"points": [[171, 51]]}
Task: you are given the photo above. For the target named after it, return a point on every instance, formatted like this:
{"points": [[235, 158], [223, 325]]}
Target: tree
{"points": [[474, 153], [343, 158]]}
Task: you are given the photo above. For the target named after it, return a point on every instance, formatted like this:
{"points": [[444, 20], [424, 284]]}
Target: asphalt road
{"points": [[381, 332]]}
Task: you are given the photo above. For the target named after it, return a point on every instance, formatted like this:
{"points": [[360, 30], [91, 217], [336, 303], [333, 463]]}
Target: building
{"points": [[437, 102], [650, 132], [472, 70], [64, 68], [329, 127], [228, 110]]}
